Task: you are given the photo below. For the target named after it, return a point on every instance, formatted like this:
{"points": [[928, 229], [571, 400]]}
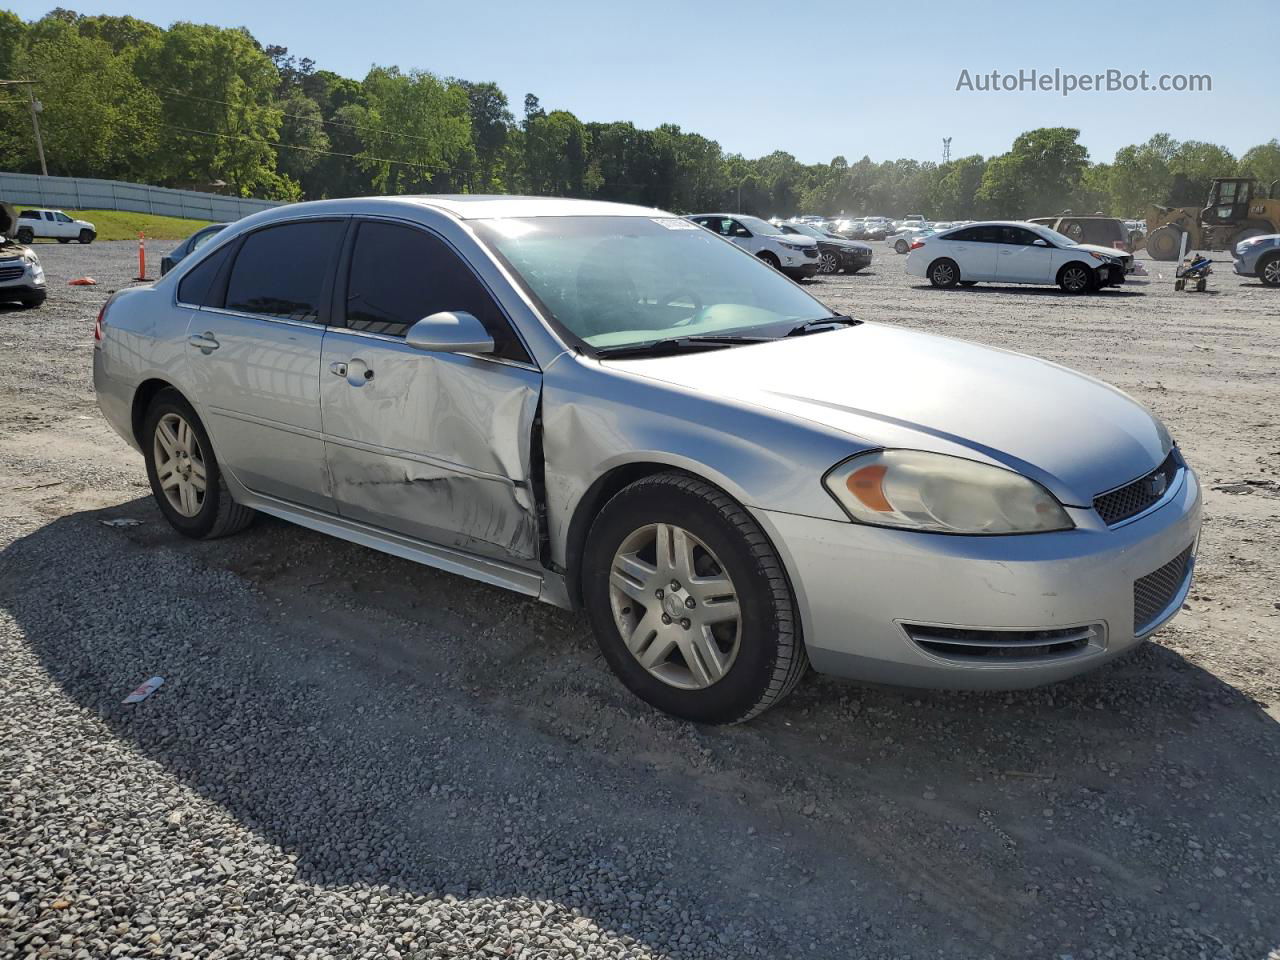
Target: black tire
{"points": [[1267, 269], [829, 263], [968, 283], [25, 235], [1164, 242], [901, 246], [1077, 277], [770, 659], [770, 259], [86, 236], [944, 273], [219, 515], [64, 239]]}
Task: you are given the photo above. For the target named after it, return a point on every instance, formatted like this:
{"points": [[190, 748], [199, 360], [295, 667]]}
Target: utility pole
{"points": [[36, 107]]}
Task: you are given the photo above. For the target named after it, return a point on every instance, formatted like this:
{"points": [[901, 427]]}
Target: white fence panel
{"points": [[81, 193]]}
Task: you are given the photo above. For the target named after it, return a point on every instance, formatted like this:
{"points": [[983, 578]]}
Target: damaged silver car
{"points": [[609, 408]]}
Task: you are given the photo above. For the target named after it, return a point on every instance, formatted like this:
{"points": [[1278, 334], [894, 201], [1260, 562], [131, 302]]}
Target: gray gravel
{"points": [[354, 756]]}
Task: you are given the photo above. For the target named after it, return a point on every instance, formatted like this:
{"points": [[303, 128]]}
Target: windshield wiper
{"points": [[823, 324], [677, 344]]}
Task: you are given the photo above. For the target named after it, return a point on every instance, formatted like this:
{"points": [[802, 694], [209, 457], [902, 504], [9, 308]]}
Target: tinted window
{"points": [[1018, 236], [29, 215], [281, 271], [976, 235], [200, 286], [400, 275]]}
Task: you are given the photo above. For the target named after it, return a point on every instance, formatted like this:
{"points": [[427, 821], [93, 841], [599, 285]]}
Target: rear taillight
{"points": [[917, 244]]}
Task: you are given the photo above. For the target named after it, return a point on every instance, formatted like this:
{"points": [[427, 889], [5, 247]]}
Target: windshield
{"points": [[621, 281], [1061, 239], [807, 230]]}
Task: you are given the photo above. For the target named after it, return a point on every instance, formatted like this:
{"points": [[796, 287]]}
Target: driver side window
{"points": [[736, 229], [400, 274]]}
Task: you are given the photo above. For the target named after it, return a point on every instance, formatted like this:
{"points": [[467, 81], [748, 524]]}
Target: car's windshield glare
{"points": [[622, 281], [1061, 239]]}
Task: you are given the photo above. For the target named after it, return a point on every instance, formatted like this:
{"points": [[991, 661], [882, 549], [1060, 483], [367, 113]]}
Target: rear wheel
{"points": [[86, 236], [689, 602], [1268, 270], [185, 478], [944, 273], [1076, 278], [25, 235], [901, 246], [1163, 243]]}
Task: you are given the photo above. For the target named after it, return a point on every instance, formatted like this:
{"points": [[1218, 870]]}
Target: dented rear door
{"points": [[435, 446]]}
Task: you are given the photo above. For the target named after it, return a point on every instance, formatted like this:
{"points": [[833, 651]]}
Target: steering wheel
{"points": [[686, 294]]}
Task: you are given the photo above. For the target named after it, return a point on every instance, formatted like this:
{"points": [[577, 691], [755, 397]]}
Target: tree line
{"points": [[210, 108]]}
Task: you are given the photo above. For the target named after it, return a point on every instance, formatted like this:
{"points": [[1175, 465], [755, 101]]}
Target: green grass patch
{"points": [[122, 225]]}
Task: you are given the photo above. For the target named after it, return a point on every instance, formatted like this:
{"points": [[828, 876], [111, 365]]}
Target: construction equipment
{"points": [[1237, 209], [1193, 273]]}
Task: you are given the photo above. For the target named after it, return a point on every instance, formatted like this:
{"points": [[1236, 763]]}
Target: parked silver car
{"points": [[1259, 257], [610, 408]]}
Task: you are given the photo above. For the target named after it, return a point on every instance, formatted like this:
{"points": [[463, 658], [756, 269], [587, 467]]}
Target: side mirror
{"points": [[450, 332], [1040, 242]]}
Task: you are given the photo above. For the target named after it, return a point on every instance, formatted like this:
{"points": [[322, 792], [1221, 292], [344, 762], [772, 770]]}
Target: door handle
{"points": [[206, 341], [338, 368]]}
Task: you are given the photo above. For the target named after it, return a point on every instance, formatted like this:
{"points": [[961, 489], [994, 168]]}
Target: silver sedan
{"points": [[610, 409]]}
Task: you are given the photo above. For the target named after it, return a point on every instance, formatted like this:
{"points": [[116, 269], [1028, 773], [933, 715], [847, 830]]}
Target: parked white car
{"points": [[794, 255], [902, 240], [1011, 251], [21, 276], [55, 225]]}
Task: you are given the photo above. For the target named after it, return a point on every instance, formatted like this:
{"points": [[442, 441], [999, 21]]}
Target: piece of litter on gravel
{"points": [[82, 282], [144, 690], [120, 522]]}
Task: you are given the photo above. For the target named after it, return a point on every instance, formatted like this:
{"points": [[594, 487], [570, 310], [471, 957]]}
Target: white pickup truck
{"points": [[55, 225]]}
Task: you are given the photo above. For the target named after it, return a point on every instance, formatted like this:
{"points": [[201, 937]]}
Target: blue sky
{"points": [[835, 78]]}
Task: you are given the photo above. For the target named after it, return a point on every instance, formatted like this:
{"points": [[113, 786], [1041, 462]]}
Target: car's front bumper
{"points": [[861, 588], [1242, 267], [28, 284]]}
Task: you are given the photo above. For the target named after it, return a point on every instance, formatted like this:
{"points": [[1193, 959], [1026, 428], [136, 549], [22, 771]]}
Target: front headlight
{"points": [[1102, 256], [933, 492]]}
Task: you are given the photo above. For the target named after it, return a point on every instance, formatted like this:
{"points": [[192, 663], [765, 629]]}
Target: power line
{"points": [[294, 116], [294, 146]]}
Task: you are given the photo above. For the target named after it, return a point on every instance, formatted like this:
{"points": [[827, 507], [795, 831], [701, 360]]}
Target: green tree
{"points": [[221, 117], [1193, 166], [1263, 162], [416, 132], [1139, 176]]}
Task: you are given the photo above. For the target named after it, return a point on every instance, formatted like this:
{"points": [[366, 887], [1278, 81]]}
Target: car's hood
{"points": [[844, 244], [899, 388], [1098, 248], [793, 238]]}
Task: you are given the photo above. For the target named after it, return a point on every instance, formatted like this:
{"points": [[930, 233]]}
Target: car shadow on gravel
{"points": [[491, 754]]}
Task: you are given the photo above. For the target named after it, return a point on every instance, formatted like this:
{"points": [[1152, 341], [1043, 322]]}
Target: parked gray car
{"points": [[609, 408], [1259, 257]]}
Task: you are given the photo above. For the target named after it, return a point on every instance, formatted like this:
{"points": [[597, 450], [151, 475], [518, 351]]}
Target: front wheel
{"points": [[1268, 271], [1076, 278], [770, 259], [185, 478], [689, 602], [829, 263]]}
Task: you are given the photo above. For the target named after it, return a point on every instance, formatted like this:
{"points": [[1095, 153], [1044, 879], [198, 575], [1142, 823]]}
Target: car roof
{"points": [[459, 206]]}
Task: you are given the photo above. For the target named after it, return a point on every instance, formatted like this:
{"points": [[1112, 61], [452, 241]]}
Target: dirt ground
{"points": [[351, 722]]}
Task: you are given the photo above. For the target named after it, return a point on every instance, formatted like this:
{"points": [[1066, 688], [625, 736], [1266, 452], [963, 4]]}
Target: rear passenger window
{"points": [[200, 286], [281, 271], [400, 275]]}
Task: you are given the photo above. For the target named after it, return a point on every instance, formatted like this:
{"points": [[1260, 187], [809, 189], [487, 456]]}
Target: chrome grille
{"points": [[10, 273], [958, 643], [1131, 499], [1153, 593]]}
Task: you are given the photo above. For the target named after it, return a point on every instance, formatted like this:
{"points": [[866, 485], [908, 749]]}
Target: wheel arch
{"points": [[142, 397], [1088, 268]]}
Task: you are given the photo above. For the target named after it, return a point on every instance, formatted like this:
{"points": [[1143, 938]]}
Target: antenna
{"points": [[946, 149]]}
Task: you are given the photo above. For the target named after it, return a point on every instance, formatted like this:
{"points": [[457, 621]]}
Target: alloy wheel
{"points": [[1075, 279], [828, 263], [180, 466], [1271, 273], [943, 274], [675, 606]]}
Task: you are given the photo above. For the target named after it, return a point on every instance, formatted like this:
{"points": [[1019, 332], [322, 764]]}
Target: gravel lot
{"points": [[353, 756]]}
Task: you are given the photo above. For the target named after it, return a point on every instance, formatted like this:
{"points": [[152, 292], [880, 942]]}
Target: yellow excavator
{"points": [[1237, 210]]}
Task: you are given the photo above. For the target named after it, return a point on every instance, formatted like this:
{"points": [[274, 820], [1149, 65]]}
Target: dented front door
{"points": [[434, 446]]}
